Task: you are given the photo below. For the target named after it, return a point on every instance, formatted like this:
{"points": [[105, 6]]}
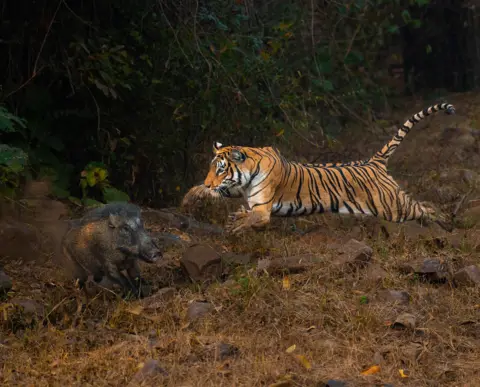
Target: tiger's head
{"points": [[230, 171]]}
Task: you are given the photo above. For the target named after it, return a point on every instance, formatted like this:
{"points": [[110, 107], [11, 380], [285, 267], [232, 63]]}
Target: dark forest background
{"points": [[117, 100]]}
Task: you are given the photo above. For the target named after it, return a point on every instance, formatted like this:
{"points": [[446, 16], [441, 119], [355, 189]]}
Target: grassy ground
{"points": [[333, 317]]}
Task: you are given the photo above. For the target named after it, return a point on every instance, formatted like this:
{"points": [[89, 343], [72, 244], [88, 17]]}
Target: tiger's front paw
{"points": [[238, 221]]}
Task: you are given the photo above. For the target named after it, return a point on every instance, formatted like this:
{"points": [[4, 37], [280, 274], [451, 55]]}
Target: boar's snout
{"points": [[149, 250]]}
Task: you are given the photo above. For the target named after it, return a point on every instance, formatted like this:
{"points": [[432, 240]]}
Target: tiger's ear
{"points": [[237, 156], [217, 146]]}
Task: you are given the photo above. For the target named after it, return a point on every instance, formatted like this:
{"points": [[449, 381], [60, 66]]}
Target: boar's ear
{"points": [[114, 221]]}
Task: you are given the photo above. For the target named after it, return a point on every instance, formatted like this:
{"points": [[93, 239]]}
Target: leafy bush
{"points": [[145, 88]]}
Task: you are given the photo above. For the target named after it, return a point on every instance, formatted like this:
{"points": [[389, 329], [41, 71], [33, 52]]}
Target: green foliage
{"points": [[146, 87], [94, 181], [13, 160]]}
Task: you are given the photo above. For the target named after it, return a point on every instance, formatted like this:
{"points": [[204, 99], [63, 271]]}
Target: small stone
{"points": [[405, 321], [375, 273], [5, 282], [29, 306], [396, 296], [224, 351], [410, 352], [149, 371], [430, 269], [353, 253], [196, 310], [335, 383], [378, 358], [470, 217], [159, 299], [468, 276], [294, 264], [202, 263]]}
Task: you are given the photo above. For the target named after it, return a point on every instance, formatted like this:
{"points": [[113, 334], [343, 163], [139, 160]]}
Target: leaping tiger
{"points": [[275, 186]]}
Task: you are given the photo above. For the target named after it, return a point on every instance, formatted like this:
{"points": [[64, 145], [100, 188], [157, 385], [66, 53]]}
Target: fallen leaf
{"points": [[357, 292], [403, 373], [372, 370], [286, 283], [291, 348], [135, 310], [280, 133], [303, 361], [311, 328]]}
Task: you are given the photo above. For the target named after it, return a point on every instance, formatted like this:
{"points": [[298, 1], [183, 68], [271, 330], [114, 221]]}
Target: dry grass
{"points": [[323, 313]]}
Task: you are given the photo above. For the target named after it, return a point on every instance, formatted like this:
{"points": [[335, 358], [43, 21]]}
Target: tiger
{"points": [[275, 186]]}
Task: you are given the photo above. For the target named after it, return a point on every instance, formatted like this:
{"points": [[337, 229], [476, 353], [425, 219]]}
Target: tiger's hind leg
{"points": [[433, 214], [422, 212]]}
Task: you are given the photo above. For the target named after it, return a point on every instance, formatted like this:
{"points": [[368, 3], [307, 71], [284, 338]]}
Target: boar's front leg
{"points": [[115, 275], [133, 272]]}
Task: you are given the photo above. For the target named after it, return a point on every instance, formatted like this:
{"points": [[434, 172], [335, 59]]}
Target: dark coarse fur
{"points": [[108, 240]]}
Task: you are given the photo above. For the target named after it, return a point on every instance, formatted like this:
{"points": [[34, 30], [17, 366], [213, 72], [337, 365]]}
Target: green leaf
{"points": [[111, 194], [406, 16], [59, 192], [416, 23], [88, 202], [393, 29], [15, 159], [327, 85], [91, 179]]}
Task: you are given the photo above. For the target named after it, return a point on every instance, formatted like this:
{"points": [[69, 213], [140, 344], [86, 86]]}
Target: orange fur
{"points": [[275, 186]]}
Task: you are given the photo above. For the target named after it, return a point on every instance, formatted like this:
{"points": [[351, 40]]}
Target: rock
{"points": [[405, 321], [335, 383], [159, 299], [235, 259], [457, 240], [294, 264], [470, 217], [378, 358], [202, 263], [375, 273], [468, 276], [197, 310], [150, 370], [5, 282], [353, 253], [396, 296], [26, 311], [410, 352], [224, 351], [430, 269], [473, 203]]}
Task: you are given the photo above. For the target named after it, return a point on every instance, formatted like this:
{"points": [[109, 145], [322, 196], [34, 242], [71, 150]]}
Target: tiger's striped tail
{"points": [[393, 144]]}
